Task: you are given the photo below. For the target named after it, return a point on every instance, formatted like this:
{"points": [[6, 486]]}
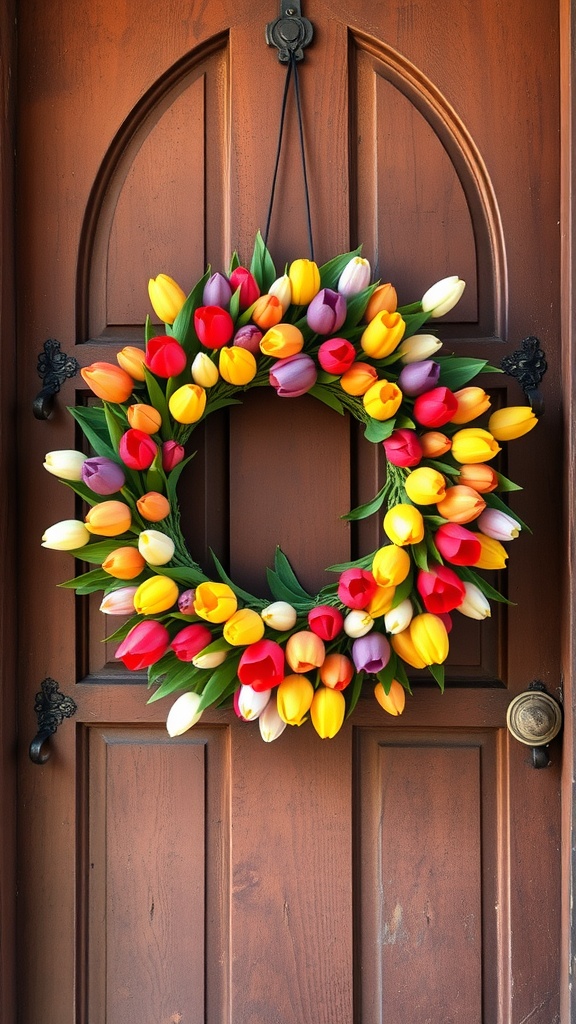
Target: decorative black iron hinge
{"points": [[54, 367], [290, 32], [528, 366], [51, 707]]}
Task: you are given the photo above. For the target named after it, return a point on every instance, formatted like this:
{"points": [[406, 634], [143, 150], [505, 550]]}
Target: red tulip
{"points": [[336, 355], [137, 449], [190, 641], [262, 665], [403, 447], [441, 589], [356, 588], [457, 544], [435, 408], [213, 325], [145, 644], [249, 290], [165, 356], [325, 621]]}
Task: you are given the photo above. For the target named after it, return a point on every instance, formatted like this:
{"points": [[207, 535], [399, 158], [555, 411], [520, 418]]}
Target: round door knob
{"points": [[534, 718]]}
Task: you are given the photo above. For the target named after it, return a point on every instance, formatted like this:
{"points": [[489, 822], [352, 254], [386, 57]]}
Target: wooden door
{"points": [[407, 870]]}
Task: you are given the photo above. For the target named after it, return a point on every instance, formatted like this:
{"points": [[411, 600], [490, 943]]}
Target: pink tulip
{"points": [[189, 641], [457, 544], [356, 588], [172, 454], [441, 589], [137, 449], [293, 376], [403, 447], [145, 644], [336, 355], [249, 290]]}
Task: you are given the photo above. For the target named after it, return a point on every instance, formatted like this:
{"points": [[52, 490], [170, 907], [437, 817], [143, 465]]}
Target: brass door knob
{"points": [[535, 718]]}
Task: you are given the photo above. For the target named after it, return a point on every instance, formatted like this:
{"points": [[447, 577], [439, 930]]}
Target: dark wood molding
{"points": [[7, 518]]}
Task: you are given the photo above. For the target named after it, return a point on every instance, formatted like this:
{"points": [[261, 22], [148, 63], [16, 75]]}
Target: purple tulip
{"points": [[186, 602], [102, 475], [217, 292], [327, 312], [416, 378], [293, 376], [249, 337], [371, 653]]}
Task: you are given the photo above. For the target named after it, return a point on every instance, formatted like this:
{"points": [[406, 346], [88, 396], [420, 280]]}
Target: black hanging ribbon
{"points": [[292, 67]]}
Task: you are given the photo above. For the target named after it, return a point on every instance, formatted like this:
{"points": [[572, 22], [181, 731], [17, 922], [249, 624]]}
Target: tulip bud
{"points": [[270, 724], [204, 371], [282, 289], [282, 341], [119, 602], [293, 376], [472, 403], [418, 347], [279, 615], [124, 563], [474, 445], [66, 535], [359, 378], [211, 660], [244, 627], [293, 699], [336, 671], [461, 504], [404, 524], [382, 400], [394, 701], [511, 422], [248, 704], [109, 382], [213, 325], [215, 602], [183, 714], [498, 525], [355, 277], [109, 519], [166, 297], [399, 618], [137, 449], [132, 360], [474, 605], [327, 312], [189, 641], [267, 311], [249, 337], [144, 645], [304, 281], [383, 335], [246, 282], [391, 565], [217, 292], [442, 296], [403, 448], [371, 653], [153, 506], [165, 356], [237, 365], [358, 623], [157, 548], [157, 594], [103, 476], [66, 464], [172, 454], [327, 712], [336, 355], [425, 486], [188, 403], [383, 298], [144, 417]]}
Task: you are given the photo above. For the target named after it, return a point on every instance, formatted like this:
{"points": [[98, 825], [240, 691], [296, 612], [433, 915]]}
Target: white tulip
{"points": [[66, 535], [474, 605], [443, 296], [66, 464], [183, 714]]}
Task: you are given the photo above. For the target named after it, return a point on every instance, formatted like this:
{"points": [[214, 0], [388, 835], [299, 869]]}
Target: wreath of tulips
{"points": [[330, 333]]}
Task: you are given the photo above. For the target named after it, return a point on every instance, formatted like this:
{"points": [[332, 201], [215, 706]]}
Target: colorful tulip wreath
{"points": [[330, 333]]}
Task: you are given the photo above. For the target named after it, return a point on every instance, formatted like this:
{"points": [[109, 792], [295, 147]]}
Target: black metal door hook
{"points": [[289, 33], [51, 707], [528, 365], [54, 367]]}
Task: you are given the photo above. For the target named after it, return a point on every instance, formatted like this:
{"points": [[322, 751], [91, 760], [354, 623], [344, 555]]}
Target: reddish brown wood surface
{"points": [[275, 872]]}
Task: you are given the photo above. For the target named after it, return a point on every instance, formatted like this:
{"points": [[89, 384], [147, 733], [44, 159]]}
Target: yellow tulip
{"points": [[382, 400], [166, 296], [327, 712], [155, 595], [215, 602], [390, 565], [383, 334], [404, 524], [244, 627], [403, 646], [425, 486], [293, 699], [305, 651], [393, 702], [304, 281], [188, 403], [237, 365], [512, 422], [493, 553], [131, 359], [381, 602], [430, 638], [474, 445], [204, 371]]}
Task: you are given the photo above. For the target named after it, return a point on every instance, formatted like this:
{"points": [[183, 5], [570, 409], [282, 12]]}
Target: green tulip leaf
{"points": [[444, 467], [158, 400], [173, 478], [437, 671], [456, 371], [187, 575], [489, 592], [414, 321], [90, 497], [411, 307], [220, 680], [235, 305], [401, 675], [122, 632], [405, 423], [364, 511], [285, 572], [356, 307], [249, 599], [262, 265], [88, 582], [353, 691], [504, 484], [330, 272], [365, 562], [234, 263], [281, 592], [163, 665], [403, 590], [92, 420], [386, 675], [99, 550], [327, 397], [378, 430], [116, 422], [183, 676], [420, 555]]}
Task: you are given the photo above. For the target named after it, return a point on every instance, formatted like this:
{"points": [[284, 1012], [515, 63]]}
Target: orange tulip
{"points": [[358, 378], [132, 359], [109, 519], [305, 651], [433, 443], [479, 476], [144, 417], [461, 504], [383, 298], [393, 702], [153, 506], [337, 671], [109, 382], [472, 402], [267, 312], [124, 563]]}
